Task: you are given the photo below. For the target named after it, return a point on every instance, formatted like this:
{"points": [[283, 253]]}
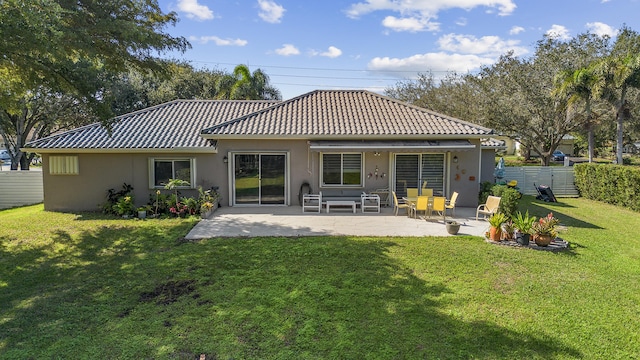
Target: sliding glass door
{"points": [[259, 179], [412, 170]]}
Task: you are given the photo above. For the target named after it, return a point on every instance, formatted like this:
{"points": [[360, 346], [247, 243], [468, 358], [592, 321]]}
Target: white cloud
{"points": [[193, 10], [218, 41], [332, 52], [270, 11], [462, 21], [422, 11], [559, 32], [601, 29], [410, 24], [288, 50], [516, 30], [459, 53], [604, 1], [486, 45], [435, 62]]}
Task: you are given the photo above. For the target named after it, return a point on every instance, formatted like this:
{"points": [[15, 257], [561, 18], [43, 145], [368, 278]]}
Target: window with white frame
{"points": [[63, 165], [161, 170], [344, 169]]}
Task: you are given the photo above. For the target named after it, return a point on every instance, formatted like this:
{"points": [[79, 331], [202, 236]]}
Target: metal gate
{"points": [[560, 179]]}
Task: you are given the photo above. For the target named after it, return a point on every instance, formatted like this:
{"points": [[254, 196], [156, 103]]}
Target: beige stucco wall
{"points": [[488, 165], [465, 176], [100, 172]]}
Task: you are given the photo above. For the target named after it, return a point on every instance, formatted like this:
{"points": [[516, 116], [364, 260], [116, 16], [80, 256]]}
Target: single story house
{"points": [[261, 153]]}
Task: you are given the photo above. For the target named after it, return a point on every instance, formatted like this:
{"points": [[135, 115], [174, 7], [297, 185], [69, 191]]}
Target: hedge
{"points": [[613, 184]]}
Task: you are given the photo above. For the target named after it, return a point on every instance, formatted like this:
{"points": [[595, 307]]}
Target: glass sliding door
{"points": [[432, 171], [259, 179], [247, 179], [407, 173], [272, 183], [412, 170]]}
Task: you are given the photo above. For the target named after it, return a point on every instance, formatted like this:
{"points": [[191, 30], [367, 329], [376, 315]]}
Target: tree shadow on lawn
{"points": [[540, 208], [334, 297]]}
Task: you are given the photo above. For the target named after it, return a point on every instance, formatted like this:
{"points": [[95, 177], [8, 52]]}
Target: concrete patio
{"points": [[290, 221]]}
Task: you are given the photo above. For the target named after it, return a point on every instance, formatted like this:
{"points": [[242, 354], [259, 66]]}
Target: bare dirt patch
{"points": [[169, 292]]}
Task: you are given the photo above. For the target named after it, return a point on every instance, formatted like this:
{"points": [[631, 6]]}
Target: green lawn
{"points": [[75, 287]]}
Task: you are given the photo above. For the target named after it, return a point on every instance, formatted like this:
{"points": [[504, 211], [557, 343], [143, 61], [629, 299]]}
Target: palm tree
{"points": [[616, 76], [579, 85], [244, 85]]}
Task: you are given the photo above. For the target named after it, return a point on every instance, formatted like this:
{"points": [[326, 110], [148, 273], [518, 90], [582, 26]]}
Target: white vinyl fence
{"points": [[560, 179], [18, 188]]}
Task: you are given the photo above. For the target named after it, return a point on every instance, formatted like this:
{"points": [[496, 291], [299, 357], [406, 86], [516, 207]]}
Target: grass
{"points": [[88, 286]]}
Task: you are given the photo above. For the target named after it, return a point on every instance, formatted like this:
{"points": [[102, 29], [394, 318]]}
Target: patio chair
{"points": [[451, 204], [312, 202], [439, 206], [397, 205], [489, 208], [412, 192], [421, 204], [427, 192]]}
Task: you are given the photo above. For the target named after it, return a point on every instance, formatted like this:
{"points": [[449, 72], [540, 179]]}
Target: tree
{"points": [[43, 113], [134, 90], [577, 84], [618, 74], [451, 95], [41, 41], [63, 48], [244, 85]]}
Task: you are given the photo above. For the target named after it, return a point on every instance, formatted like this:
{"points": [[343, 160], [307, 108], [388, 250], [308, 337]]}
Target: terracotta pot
{"points": [[543, 240], [495, 233]]}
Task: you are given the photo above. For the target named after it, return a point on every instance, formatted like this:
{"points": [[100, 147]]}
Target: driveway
{"points": [[290, 221]]}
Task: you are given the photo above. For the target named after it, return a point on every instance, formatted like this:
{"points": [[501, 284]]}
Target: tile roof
{"points": [[345, 113], [493, 143], [176, 124]]}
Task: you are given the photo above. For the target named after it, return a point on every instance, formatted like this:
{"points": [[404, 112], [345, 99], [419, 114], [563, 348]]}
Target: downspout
{"points": [[309, 157], [479, 178], [448, 189]]}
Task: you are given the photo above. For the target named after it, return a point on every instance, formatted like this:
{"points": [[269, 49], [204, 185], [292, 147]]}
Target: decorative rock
{"points": [[556, 245]]}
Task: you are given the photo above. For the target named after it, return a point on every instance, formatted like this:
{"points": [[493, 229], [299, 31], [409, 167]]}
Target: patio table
{"points": [[341, 203]]}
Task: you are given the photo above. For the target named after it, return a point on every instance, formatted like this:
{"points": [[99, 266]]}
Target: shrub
{"points": [[192, 205], [485, 191], [114, 197], [124, 206], [613, 184], [509, 199]]}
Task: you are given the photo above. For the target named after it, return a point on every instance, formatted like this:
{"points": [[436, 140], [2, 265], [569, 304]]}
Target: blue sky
{"points": [[305, 45]]}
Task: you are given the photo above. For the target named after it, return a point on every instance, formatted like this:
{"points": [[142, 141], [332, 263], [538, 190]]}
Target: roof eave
{"points": [[342, 137], [176, 150]]}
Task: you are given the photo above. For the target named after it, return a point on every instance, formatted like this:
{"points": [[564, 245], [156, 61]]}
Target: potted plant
{"points": [[452, 227], [495, 231], [523, 224], [142, 212], [545, 230], [508, 229]]}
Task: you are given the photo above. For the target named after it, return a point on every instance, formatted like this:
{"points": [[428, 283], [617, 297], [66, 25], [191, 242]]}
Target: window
{"points": [[412, 170], [164, 169], [342, 169], [63, 165]]}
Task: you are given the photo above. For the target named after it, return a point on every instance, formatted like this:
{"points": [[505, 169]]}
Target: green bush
{"points": [[613, 184], [115, 205], [485, 191], [509, 199]]}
